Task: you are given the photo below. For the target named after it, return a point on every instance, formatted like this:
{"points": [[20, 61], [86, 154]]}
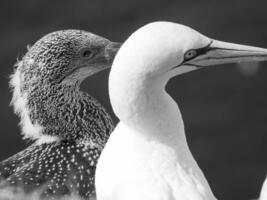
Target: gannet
{"points": [[147, 156], [68, 127], [263, 194]]}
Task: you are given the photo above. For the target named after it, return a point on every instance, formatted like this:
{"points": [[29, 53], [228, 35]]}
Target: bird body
{"points": [[164, 172], [68, 127], [56, 169], [156, 149], [147, 156]]}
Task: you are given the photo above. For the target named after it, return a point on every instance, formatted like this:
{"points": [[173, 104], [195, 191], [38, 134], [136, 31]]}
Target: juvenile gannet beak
{"points": [[218, 52], [104, 58], [111, 50]]}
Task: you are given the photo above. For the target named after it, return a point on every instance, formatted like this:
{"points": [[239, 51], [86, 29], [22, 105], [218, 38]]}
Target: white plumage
{"points": [[147, 156], [263, 194]]}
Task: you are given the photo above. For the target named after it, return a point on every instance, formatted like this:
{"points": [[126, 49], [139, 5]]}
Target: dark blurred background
{"points": [[224, 107]]}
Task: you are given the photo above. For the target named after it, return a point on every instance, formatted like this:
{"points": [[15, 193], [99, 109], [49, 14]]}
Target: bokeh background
{"points": [[224, 107]]}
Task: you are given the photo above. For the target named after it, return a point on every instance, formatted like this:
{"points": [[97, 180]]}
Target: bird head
{"points": [[157, 52], [173, 49], [66, 57], [52, 68]]}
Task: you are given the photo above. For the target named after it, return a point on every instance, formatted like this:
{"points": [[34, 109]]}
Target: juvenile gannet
{"points": [[147, 156], [68, 126]]}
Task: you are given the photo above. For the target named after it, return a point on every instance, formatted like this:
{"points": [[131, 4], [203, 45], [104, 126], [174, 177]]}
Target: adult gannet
{"points": [[147, 156], [69, 126], [263, 194]]}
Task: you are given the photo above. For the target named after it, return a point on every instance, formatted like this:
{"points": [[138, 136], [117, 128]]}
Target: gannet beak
{"points": [[218, 52], [111, 50], [103, 59]]}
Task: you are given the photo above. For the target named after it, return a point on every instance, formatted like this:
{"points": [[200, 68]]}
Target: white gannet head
{"points": [[159, 51], [165, 46]]}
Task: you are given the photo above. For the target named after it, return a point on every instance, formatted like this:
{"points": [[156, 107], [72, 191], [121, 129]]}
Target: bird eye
{"points": [[190, 54], [87, 53]]}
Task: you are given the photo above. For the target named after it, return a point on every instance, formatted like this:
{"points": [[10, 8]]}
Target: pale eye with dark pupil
{"points": [[190, 54]]}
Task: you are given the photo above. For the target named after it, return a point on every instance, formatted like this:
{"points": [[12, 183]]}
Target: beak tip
{"points": [[112, 48]]}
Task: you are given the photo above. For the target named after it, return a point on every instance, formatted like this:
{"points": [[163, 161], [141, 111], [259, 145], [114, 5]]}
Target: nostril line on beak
{"points": [[112, 49], [114, 45]]}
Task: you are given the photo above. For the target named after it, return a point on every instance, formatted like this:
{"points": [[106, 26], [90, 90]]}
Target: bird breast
{"points": [[135, 163]]}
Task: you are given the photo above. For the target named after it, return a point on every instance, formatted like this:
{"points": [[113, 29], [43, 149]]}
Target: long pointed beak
{"points": [[105, 58], [111, 50], [219, 52]]}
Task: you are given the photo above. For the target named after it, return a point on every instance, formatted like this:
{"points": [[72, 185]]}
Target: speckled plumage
{"points": [[57, 169], [68, 126]]}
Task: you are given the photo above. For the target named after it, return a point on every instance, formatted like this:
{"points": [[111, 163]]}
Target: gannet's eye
{"points": [[88, 53], [190, 54]]}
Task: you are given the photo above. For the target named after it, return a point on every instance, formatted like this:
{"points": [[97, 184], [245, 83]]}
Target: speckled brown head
{"points": [[46, 84], [62, 55]]}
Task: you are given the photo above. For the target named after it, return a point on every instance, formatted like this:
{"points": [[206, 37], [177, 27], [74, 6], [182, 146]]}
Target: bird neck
{"points": [[65, 112], [143, 104], [151, 119]]}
